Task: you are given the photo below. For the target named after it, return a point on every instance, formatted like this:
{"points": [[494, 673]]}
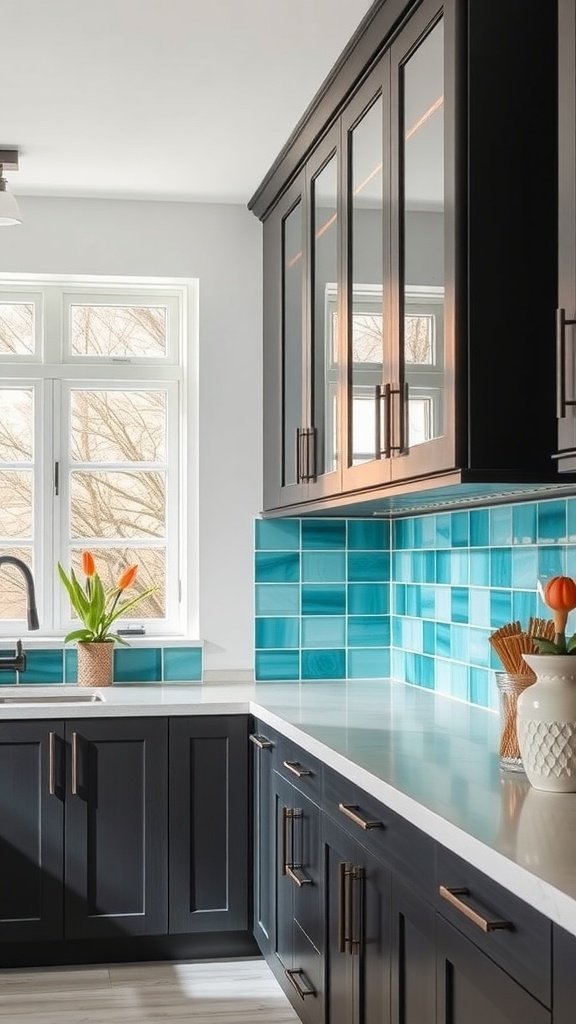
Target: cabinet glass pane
{"points": [[292, 362], [366, 275], [325, 316], [422, 350]]}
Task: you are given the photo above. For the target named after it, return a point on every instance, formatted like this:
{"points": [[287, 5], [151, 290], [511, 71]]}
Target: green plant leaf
{"points": [[546, 646], [79, 634], [123, 607]]}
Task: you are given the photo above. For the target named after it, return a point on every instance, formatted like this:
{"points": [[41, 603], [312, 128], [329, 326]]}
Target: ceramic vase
{"points": [[95, 664], [546, 723]]}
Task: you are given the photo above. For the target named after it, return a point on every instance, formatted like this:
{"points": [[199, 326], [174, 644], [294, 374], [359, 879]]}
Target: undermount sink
{"points": [[52, 698]]}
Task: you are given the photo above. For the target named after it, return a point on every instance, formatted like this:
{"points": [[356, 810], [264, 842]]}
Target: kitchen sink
{"points": [[53, 698]]}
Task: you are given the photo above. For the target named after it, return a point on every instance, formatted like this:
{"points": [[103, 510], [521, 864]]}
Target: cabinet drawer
{"points": [[522, 945], [393, 839], [299, 768]]}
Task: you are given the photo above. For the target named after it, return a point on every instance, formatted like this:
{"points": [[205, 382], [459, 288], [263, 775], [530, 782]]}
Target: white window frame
{"points": [[52, 372]]}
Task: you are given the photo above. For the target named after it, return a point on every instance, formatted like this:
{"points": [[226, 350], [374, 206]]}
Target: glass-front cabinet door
{"points": [[421, 174]]}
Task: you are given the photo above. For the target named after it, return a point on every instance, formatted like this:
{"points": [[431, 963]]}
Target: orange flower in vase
{"points": [[559, 593]]}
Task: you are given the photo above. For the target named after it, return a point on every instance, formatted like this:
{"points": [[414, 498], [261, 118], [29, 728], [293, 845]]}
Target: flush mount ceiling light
{"points": [[9, 212]]}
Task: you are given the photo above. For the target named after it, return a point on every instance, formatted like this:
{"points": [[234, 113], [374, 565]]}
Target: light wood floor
{"points": [[221, 992]]}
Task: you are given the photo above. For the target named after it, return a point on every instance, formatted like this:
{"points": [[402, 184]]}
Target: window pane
{"points": [[16, 411], [367, 338], [118, 426], [12, 586], [118, 331], [419, 339], [118, 504], [16, 503], [16, 328], [151, 562]]}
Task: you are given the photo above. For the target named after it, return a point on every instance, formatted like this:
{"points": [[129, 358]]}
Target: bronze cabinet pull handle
{"points": [[350, 811], [286, 813], [356, 911], [452, 896], [296, 768], [74, 764], [292, 976], [260, 741], [345, 872]]}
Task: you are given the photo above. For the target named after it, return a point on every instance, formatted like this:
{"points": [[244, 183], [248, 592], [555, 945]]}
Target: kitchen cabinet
{"points": [[413, 957], [399, 265], [118, 832], [566, 312], [263, 741], [564, 980]]}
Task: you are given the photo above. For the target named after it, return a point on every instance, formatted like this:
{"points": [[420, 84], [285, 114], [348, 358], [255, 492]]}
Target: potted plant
{"points": [[546, 718], [97, 610]]}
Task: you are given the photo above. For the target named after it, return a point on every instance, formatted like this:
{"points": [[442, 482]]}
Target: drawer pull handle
{"points": [[451, 895], [293, 976], [300, 880], [349, 810], [261, 742], [52, 764], [296, 768], [74, 764]]}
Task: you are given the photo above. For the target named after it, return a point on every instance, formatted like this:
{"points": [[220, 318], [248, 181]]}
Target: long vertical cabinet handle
{"points": [[345, 875], [293, 867], [561, 401], [298, 456], [383, 397], [311, 441], [74, 764], [52, 764], [357, 889]]}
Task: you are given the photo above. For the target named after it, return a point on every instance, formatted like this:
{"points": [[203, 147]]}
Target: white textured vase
{"points": [[546, 723]]}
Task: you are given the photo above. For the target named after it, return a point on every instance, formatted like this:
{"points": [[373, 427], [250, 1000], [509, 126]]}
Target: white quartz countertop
{"points": [[431, 759]]}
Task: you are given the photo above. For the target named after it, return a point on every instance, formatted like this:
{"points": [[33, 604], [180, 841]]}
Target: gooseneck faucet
{"points": [[18, 662]]}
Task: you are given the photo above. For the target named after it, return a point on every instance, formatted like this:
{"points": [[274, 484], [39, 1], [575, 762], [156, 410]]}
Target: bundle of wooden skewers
{"points": [[511, 642]]}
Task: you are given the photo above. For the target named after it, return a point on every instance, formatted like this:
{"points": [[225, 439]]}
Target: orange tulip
{"points": [[88, 564], [127, 577]]}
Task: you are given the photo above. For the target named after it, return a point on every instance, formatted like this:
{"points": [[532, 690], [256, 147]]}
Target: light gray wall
{"points": [[221, 246]]}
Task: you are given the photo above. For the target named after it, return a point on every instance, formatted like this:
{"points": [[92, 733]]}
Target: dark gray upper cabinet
{"points": [[566, 313], [409, 265]]}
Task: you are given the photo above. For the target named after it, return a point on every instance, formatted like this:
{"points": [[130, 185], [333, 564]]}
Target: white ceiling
{"points": [[160, 99]]}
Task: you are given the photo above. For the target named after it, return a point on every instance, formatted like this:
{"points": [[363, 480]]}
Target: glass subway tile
{"points": [[413, 600], [427, 602], [551, 561], [443, 604], [324, 631], [368, 567], [571, 519], [443, 530], [137, 664], [368, 535], [501, 526], [181, 664], [479, 647], [277, 534], [429, 637], [479, 533], [459, 568], [459, 640], [524, 567], [459, 604], [443, 566], [277, 632], [403, 534], [368, 630], [500, 608], [478, 684], [443, 644], [277, 599], [372, 663], [329, 664], [524, 606], [277, 567], [323, 599], [71, 665], [552, 521], [399, 599], [323, 566], [324, 534], [479, 607], [277, 665], [41, 667], [398, 663], [368, 599], [524, 521], [501, 567], [459, 681], [479, 567], [460, 529], [429, 567]]}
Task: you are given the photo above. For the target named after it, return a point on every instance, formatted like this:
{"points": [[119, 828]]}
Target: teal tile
{"points": [[368, 535], [368, 630], [323, 599], [324, 534], [328, 664], [459, 681], [277, 534], [479, 607], [397, 635], [459, 604], [71, 665], [369, 664], [368, 598], [524, 567], [500, 608], [403, 534], [399, 599], [429, 573], [277, 599], [368, 568], [501, 526], [324, 631], [277, 665], [524, 524], [501, 567], [551, 562], [413, 600], [459, 642], [277, 633], [571, 519], [137, 665], [429, 638], [552, 521], [323, 566], [443, 643], [425, 532], [428, 602], [443, 604], [402, 566], [459, 566], [459, 529], [479, 533], [479, 684], [182, 664], [479, 647], [277, 567], [398, 662], [41, 667], [479, 567], [443, 530], [443, 566], [523, 605]]}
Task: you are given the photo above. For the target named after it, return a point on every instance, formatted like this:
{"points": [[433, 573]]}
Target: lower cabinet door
{"points": [[358, 931], [31, 831], [208, 824], [413, 944], [263, 743], [564, 976], [115, 848], [472, 989]]}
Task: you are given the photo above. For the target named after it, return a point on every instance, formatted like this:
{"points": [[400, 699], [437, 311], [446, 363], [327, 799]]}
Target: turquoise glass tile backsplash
{"points": [[416, 598], [131, 665]]}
